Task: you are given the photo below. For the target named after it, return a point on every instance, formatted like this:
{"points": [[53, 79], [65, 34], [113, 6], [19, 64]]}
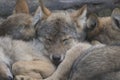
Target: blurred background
{"points": [[101, 7]]}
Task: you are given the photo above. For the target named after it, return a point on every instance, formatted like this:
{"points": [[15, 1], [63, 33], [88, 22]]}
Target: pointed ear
{"points": [[38, 16], [80, 17], [92, 22], [21, 7], [41, 13], [80, 13], [44, 9], [116, 17]]}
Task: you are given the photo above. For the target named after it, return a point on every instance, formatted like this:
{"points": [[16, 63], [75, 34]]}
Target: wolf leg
{"points": [[35, 69]]}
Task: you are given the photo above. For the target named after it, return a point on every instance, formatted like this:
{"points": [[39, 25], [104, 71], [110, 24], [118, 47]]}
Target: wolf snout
{"points": [[57, 59]]}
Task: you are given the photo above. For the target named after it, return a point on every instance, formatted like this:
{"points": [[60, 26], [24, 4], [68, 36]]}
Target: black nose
{"points": [[10, 78], [56, 58]]}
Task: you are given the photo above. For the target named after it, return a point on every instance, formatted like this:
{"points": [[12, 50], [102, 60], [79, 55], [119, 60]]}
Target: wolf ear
{"points": [[21, 7], [92, 22], [37, 16], [116, 17], [41, 13], [80, 17]]}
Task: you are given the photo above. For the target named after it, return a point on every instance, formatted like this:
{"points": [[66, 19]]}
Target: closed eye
{"points": [[67, 40], [50, 40]]}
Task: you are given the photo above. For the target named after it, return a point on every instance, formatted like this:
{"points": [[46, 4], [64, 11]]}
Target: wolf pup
{"points": [[19, 24], [58, 31], [104, 29], [13, 52]]}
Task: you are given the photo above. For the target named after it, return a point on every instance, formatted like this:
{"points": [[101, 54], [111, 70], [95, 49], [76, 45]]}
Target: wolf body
{"points": [[101, 63]]}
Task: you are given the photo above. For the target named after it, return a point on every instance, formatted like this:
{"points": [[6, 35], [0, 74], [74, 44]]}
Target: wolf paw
{"points": [[51, 78], [21, 77]]}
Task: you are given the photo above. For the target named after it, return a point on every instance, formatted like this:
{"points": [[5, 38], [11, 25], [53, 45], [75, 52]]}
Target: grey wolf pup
{"points": [[19, 24], [58, 31]]}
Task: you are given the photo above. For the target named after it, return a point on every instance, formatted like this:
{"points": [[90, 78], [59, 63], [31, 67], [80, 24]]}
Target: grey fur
{"points": [[98, 64]]}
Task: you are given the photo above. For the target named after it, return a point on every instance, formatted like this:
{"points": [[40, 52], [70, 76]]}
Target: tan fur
{"points": [[21, 77], [102, 23], [35, 69], [46, 11], [21, 7], [105, 29]]}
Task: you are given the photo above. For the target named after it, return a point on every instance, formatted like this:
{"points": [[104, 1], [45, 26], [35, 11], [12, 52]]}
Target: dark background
{"points": [[101, 7]]}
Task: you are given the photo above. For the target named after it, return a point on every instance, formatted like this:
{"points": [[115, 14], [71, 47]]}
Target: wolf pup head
{"points": [[19, 24], [104, 29], [59, 30]]}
